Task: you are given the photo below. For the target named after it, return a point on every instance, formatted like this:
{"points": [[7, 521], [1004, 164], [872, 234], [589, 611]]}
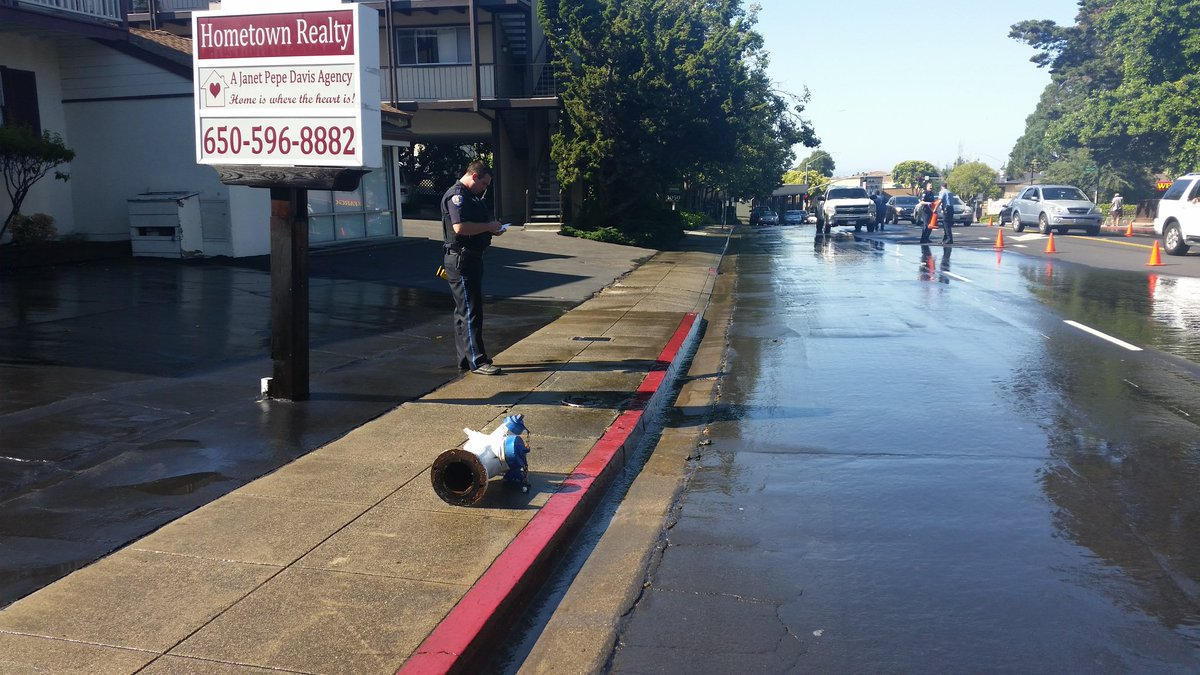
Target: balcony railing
{"points": [[142, 6], [453, 82], [107, 10]]}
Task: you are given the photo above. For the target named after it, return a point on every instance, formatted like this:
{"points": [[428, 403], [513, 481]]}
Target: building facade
{"points": [[114, 79]]}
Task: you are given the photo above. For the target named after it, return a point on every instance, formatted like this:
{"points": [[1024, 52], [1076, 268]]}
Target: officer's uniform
{"points": [[947, 217], [925, 213], [464, 271]]}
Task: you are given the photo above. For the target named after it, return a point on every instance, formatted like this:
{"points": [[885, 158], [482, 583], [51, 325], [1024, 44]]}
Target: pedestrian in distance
{"points": [[1117, 207], [467, 231], [946, 200], [880, 208], [925, 211]]}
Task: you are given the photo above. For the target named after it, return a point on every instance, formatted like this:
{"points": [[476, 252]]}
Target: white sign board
{"points": [[294, 87]]}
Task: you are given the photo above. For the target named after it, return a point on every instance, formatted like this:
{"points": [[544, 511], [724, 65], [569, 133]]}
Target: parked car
{"points": [[1178, 219], [963, 213], [794, 217], [1005, 215], [763, 215], [1055, 207], [901, 208]]}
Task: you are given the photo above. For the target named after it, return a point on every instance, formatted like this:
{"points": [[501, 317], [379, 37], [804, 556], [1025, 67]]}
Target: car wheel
{"points": [[1173, 239], [1017, 225], [1043, 224]]}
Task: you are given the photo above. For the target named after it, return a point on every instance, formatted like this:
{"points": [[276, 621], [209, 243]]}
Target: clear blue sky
{"points": [[892, 81]]}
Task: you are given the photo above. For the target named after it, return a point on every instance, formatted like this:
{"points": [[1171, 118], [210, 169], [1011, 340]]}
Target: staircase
{"points": [[546, 214], [516, 34]]}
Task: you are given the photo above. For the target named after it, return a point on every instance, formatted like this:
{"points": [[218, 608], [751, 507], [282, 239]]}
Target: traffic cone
{"points": [[1050, 244], [1000, 238], [990, 221], [1155, 256], [933, 217], [1129, 229]]}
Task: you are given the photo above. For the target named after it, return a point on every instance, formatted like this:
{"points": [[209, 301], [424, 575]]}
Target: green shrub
{"points": [[693, 220], [33, 229]]}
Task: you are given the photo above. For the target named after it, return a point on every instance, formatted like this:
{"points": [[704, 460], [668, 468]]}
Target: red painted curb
{"points": [[462, 641]]}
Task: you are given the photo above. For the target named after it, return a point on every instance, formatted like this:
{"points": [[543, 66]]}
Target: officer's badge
{"points": [[456, 200]]}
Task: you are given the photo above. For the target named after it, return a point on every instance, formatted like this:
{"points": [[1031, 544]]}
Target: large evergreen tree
{"points": [[661, 94], [1124, 99]]}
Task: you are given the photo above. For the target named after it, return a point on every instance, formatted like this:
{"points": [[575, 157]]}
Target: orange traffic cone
{"points": [[1155, 256], [1000, 238], [1050, 244], [990, 221], [1129, 229]]}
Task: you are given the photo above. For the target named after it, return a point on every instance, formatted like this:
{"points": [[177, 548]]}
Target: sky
{"points": [[892, 81]]}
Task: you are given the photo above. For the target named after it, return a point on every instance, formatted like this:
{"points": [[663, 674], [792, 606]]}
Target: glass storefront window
{"points": [[353, 214]]}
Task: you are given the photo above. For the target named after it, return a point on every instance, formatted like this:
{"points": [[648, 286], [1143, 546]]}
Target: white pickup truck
{"points": [[846, 206]]}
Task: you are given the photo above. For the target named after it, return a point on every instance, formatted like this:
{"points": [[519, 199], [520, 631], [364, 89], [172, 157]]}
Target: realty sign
{"points": [[294, 87]]}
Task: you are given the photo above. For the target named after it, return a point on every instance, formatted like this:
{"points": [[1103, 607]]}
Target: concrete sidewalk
{"points": [[345, 561]]}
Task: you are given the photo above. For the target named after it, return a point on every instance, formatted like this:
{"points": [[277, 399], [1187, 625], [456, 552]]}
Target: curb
{"points": [[464, 640]]}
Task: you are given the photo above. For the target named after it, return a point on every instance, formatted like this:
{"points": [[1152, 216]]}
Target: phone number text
{"points": [[236, 138]]}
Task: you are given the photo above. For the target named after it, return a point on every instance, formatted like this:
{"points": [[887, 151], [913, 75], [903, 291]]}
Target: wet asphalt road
{"points": [[917, 465]]}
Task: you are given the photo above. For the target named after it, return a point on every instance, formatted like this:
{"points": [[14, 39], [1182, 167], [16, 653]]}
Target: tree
{"points": [[663, 93], [973, 180], [25, 159], [1125, 90], [819, 161], [910, 173]]}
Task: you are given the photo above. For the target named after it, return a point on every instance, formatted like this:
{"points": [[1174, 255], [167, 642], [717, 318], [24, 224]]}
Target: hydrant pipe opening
{"points": [[458, 477]]}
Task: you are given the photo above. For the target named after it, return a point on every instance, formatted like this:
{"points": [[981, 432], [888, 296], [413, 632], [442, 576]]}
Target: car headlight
{"points": [[1055, 208]]}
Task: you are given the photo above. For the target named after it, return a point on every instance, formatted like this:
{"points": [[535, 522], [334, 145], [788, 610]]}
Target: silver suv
{"points": [[1055, 207], [1178, 219]]}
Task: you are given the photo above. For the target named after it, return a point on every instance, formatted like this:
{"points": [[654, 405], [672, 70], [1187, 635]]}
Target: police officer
{"points": [[946, 199], [925, 211], [467, 229]]}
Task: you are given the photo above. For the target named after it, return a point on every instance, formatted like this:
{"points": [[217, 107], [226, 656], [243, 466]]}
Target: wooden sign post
{"points": [[288, 100]]}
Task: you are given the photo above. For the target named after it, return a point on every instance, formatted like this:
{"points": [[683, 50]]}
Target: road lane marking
{"points": [[1093, 331], [1104, 240], [952, 275]]}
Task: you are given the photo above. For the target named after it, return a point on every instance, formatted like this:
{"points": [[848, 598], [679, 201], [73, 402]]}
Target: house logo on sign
{"points": [[213, 91]]}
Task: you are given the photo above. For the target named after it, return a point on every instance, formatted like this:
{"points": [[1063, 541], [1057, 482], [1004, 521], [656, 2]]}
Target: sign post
{"points": [[288, 100]]}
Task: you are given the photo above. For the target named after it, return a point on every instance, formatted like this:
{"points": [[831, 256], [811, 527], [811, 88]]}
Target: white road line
{"points": [[1093, 331], [952, 275]]}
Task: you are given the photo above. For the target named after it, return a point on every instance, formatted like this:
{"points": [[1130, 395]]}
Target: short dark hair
{"points": [[479, 168]]}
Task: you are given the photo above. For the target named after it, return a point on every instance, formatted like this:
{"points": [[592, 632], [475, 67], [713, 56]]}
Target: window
{"points": [[18, 99], [352, 214], [1176, 190], [418, 46]]}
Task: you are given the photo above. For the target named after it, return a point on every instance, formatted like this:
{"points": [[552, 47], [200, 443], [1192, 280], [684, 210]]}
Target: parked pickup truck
{"points": [[846, 206]]}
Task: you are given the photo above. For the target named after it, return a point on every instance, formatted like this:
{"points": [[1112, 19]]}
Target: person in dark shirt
{"points": [[925, 211], [467, 230]]}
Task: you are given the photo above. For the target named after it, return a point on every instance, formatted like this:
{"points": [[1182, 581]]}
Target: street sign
{"points": [[1089, 169], [287, 87]]}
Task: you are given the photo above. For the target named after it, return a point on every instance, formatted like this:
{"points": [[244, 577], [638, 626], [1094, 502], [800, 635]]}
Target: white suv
{"points": [[1178, 219]]}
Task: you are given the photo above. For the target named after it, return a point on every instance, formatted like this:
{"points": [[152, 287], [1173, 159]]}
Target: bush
{"points": [[693, 220], [33, 229]]}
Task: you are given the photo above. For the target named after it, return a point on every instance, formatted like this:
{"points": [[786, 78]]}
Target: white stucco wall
{"points": [[134, 133], [40, 55]]}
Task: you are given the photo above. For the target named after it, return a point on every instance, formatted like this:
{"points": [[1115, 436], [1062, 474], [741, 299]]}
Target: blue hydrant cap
{"points": [[514, 452], [516, 424]]}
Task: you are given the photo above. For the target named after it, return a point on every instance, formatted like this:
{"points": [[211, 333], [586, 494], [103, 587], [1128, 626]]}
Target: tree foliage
{"points": [[910, 173], [973, 179], [1124, 95], [662, 93], [819, 161], [25, 159]]}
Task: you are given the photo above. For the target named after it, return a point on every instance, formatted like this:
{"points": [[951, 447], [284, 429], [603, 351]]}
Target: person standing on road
{"points": [[1118, 206], [880, 208], [467, 230], [946, 199], [925, 211]]}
